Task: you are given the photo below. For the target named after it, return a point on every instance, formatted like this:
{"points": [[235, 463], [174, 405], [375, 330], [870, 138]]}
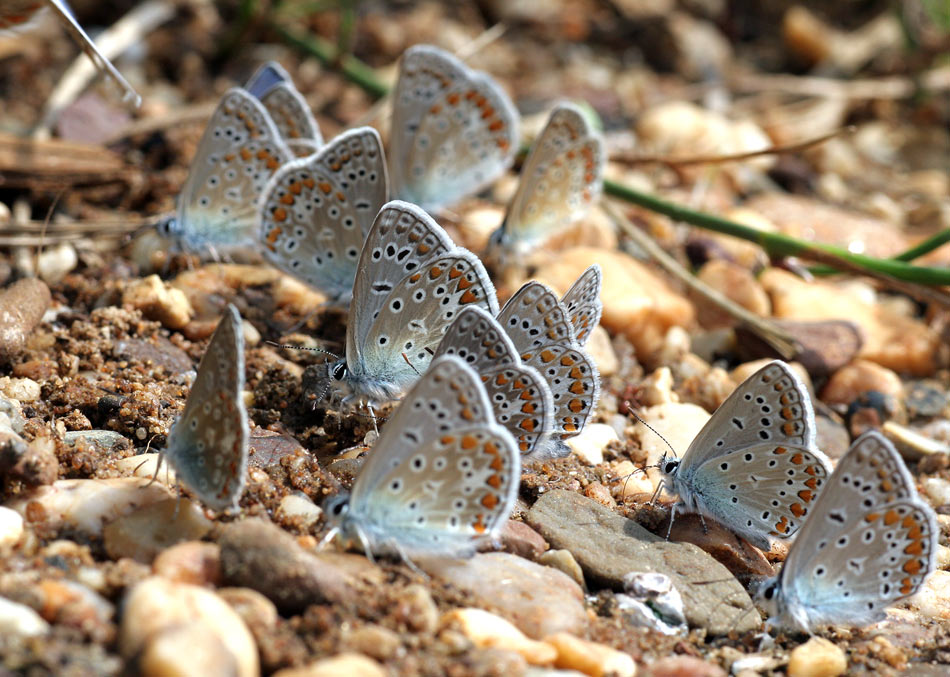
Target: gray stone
{"points": [[259, 555], [107, 439], [539, 600], [608, 546]]}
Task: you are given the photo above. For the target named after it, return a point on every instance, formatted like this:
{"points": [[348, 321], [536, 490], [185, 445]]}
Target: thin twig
{"points": [[631, 159], [767, 330]]}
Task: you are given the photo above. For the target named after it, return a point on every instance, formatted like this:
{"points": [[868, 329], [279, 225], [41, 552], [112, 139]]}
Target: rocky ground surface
{"points": [[102, 572]]}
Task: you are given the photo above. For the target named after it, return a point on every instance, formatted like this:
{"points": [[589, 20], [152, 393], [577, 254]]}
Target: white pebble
{"points": [[20, 389], [592, 441], [817, 658], [21, 620], [55, 262], [157, 605], [937, 490], [295, 505], [11, 527]]}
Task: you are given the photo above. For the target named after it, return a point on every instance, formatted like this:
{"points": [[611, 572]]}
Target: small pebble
{"points": [[344, 665], [187, 650], [156, 605], [193, 562], [20, 389], [145, 532], [600, 493], [520, 539], [601, 351], [157, 302], [937, 490], [299, 508], [53, 263], [20, 620], [933, 599], [11, 527], [486, 630], [817, 658], [70, 604], [375, 641], [590, 658], [22, 306], [107, 439], [592, 441], [258, 613], [684, 666], [564, 561], [35, 464], [859, 377], [416, 608]]}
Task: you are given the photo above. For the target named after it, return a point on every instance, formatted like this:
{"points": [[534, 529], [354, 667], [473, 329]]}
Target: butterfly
{"points": [[754, 466], [239, 152], [411, 283], [582, 303], [520, 398], [317, 211], [561, 179], [539, 327], [16, 14], [869, 541], [207, 445], [454, 130], [441, 478], [291, 114]]}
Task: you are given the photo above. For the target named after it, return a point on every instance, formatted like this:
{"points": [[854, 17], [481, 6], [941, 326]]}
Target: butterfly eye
{"points": [[339, 371], [670, 466], [769, 593]]}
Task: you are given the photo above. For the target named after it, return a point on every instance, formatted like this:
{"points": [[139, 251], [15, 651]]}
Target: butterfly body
{"points": [[208, 444], [441, 478], [410, 285], [454, 130], [754, 466], [870, 541]]}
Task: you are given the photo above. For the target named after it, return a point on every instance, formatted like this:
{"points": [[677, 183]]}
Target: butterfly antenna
{"points": [[652, 429], [313, 350], [158, 468], [325, 541]]}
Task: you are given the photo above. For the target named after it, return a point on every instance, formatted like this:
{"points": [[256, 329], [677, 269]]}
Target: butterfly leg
{"points": [[672, 517], [372, 414]]}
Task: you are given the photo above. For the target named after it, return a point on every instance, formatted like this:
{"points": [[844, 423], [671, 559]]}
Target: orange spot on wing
{"points": [[797, 509]]}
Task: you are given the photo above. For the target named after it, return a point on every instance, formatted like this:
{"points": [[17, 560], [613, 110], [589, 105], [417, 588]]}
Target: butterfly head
{"points": [[668, 465], [169, 227], [337, 507]]}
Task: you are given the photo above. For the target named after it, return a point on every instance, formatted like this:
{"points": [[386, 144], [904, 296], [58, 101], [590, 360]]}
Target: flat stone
{"points": [[159, 352], [520, 539], [610, 546], [736, 554], [538, 599], [149, 530]]}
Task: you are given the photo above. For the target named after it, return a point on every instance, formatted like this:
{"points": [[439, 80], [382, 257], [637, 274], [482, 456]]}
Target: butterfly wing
{"points": [[416, 313], [442, 476], [129, 95], [316, 211], [292, 116], [870, 541], [534, 317], [454, 130], [761, 489], [562, 177], [539, 327], [239, 152], [521, 399], [265, 78], [402, 239], [583, 305], [771, 407], [207, 445]]}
